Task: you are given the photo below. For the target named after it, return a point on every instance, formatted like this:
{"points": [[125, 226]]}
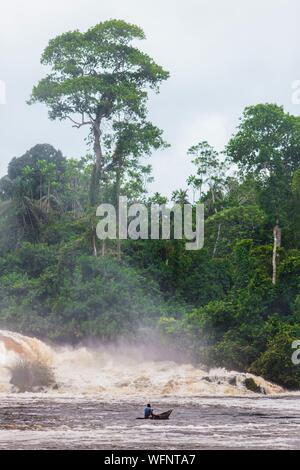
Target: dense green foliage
{"points": [[100, 80], [224, 304]]}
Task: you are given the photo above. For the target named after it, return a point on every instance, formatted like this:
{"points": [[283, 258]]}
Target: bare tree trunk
{"points": [[95, 252], [96, 176], [97, 146], [276, 244], [118, 194]]}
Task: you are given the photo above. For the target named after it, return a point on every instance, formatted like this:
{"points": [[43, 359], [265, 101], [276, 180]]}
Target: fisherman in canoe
{"points": [[148, 412]]}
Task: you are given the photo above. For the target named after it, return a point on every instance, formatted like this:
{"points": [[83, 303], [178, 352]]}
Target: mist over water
{"points": [[102, 389], [122, 370]]}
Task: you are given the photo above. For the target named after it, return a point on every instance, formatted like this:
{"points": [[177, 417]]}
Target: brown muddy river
{"points": [[202, 423], [102, 389]]}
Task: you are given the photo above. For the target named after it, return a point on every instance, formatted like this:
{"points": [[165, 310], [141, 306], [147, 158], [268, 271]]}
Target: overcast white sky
{"points": [[222, 56]]}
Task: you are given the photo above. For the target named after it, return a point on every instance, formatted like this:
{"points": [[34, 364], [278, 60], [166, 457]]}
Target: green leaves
{"points": [[100, 79], [93, 68], [296, 183], [267, 141], [275, 363]]}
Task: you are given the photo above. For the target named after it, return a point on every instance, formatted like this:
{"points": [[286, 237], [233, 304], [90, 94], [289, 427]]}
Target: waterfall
{"points": [[121, 370]]}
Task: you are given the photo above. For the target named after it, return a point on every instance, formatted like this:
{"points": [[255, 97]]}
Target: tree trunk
{"points": [[41, 191], [213, 199], [277, 243], [118, 194], [97, 146], [96, 175], [95, 252], [48, 200]]}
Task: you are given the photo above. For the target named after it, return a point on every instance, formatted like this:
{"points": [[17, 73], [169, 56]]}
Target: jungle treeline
{"points": [[235, 303]]}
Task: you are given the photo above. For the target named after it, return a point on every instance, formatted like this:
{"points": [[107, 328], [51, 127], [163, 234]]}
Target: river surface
{"points": [[36, 422], [100, 390]]}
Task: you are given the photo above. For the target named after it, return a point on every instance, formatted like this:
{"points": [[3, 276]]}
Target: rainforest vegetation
{"points": [[235, 303]]}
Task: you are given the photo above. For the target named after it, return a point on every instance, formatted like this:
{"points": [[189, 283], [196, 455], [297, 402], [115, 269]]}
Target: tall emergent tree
{"points": [[95, 78], [267, 148]]}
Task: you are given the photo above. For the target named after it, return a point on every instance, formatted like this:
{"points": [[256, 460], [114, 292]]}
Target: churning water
{"points": [[101, 390]]}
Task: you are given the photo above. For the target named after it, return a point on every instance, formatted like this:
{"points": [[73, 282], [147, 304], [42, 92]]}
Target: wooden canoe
{"points": [[164, 415]]}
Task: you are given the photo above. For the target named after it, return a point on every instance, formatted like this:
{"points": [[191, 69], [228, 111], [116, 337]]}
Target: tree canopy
{"points": [[233, 304], [98, 79]]}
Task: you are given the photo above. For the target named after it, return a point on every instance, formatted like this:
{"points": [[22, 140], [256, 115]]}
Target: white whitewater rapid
{"points": [[120, 372]]}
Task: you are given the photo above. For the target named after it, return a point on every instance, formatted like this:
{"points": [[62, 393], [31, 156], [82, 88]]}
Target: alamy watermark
{"points": [[2, 92], [295, 92], [296, 354], [157, 222]]}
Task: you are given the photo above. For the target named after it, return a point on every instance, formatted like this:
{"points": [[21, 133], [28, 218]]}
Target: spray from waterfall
{"points": [[121, 370]]}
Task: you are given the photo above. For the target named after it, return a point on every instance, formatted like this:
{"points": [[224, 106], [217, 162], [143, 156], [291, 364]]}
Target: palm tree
{"points": [[21, 211], [180, 196]]}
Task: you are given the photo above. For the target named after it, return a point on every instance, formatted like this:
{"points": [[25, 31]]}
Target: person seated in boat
{"points": [[148, 412]]}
